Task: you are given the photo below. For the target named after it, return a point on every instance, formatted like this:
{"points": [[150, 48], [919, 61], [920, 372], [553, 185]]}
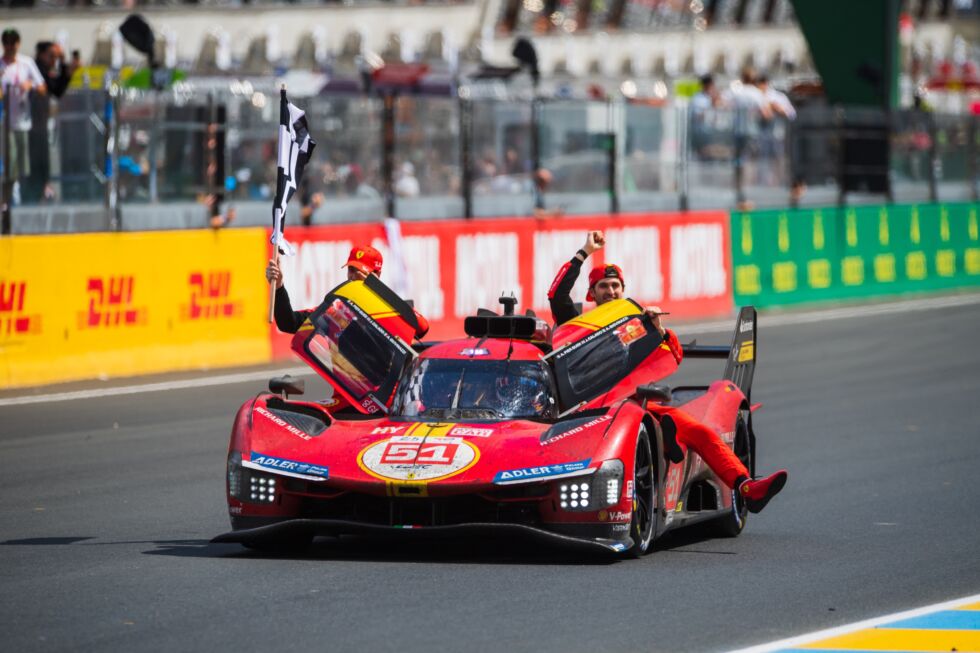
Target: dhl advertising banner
{"points": [[450, 268], [792, 256], [95, 305]]}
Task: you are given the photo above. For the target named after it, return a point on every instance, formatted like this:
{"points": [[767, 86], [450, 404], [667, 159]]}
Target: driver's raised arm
{"points": [[560, 295]]}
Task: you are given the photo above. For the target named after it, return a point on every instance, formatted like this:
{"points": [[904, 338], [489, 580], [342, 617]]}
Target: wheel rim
{"points": [[643, 492], [742, 452]]}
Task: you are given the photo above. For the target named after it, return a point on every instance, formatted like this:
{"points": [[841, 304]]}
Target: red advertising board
{"points": [[680, 261]]}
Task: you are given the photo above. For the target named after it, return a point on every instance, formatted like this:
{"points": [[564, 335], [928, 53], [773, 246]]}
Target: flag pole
{"points": [[272, 284], [276, 223]]}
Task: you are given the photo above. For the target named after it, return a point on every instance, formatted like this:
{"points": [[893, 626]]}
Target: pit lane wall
{"points": [[784, 257], [99, 305]]}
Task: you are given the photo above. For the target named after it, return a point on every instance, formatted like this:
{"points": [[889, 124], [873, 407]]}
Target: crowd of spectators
{"points": [[744, 124], [28, 86]]}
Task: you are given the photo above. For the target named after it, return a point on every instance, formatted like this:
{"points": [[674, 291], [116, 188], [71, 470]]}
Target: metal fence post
{"points": [[6, 186], [152, 150], [615, 119], [935, 163], [466, 136], [741, 141], [841, 148], [682, 119], [535, 135], [111, 189], [613, 186], [972, 150], [388, 152]]}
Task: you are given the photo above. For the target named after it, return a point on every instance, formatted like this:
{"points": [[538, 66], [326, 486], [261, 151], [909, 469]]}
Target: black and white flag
{"points": [[295, 148]]}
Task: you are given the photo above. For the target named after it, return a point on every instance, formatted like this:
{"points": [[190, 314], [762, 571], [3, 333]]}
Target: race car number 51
{"points": [[423, 454], [415, 458]]}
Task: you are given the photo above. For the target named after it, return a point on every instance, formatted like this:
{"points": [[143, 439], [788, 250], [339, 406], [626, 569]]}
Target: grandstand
{"points": [[431, 93]]}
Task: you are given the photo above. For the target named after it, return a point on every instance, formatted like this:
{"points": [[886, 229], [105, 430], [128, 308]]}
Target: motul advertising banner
{"points": [[680, 261]]}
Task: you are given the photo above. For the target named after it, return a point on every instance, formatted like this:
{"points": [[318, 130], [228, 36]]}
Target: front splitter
{"points": [[297, 528]]}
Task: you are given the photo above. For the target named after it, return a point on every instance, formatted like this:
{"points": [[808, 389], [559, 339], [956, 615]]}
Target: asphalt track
{"points": [[107, 507]]}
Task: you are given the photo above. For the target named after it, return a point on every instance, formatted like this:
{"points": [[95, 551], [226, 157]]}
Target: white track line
{"points": [[224, 379], [766, 320], [814, 637]]}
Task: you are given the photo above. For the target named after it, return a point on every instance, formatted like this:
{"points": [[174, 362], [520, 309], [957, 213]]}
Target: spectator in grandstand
{"points": [[356, 186], [309, 200], [19, 76], [707, 98], [513, 165], [779, 103], [308, 206], [703, 104], [541, 180], [407, 185], [772, 134], [54, 67], [56, 72], [750, 106]]}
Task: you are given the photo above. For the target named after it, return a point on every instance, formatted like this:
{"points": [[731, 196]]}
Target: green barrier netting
{"points": [[803, 255]]}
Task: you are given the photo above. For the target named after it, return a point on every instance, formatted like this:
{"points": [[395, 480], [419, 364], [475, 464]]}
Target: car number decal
{"points": [[414, 458]]}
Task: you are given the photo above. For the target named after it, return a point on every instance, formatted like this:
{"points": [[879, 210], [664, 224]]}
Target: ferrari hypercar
{"points": [[512, 430]]}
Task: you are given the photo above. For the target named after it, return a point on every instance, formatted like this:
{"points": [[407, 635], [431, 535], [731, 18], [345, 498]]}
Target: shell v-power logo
{"points": [[210, 297], [110, 304], [14, 321]]}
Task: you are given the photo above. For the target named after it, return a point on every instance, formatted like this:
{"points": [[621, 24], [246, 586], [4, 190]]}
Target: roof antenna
{"points": [[509, 302]]}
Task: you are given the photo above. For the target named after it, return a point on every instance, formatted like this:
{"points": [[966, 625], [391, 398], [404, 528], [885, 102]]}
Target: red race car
{"points": [[510, 430]]}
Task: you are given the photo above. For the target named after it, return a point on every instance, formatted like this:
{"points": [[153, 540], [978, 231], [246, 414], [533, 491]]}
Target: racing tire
{"points": [[643, 526], [733, 521]]}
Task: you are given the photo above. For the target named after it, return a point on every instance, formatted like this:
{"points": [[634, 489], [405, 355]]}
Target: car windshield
{"points": [[474, 389]]}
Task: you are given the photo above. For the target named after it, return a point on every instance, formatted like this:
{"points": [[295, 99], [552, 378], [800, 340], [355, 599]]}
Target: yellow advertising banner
{"points": [[118, 304]]}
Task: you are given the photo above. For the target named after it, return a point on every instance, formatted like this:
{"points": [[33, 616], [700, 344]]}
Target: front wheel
{"points": [[643, 524]]}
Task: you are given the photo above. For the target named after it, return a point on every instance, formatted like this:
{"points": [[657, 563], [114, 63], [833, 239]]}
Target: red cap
{"points": [[600, 272], [366, 259]]}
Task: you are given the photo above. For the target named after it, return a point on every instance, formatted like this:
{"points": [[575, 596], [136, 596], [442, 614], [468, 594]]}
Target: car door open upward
{"points": [[359, 339], [601, 356]]}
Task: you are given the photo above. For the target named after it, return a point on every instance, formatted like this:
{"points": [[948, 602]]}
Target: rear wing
{"points": [[740, 355]]}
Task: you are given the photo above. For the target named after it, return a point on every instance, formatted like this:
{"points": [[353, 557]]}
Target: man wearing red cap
{"points": [[606, 283], [362, 261]]}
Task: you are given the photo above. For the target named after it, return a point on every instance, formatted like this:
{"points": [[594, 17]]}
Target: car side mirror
{"points": [[654, 392], [287, 385]]}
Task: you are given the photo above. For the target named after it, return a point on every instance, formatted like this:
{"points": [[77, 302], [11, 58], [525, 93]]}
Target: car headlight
{"points": [[250, 485], [262, 488], [596, 493], [235, 474], [575, 496]]}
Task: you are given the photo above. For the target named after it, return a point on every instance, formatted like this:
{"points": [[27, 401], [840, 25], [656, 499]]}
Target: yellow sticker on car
{"points": [[746, 352]]}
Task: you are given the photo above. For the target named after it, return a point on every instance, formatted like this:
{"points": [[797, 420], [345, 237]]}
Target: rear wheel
{"points": [[733, 521], [643, 525]]}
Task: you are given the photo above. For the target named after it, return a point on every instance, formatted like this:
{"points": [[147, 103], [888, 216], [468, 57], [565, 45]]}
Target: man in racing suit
{"points": [[362, 261], [606, 284]]}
